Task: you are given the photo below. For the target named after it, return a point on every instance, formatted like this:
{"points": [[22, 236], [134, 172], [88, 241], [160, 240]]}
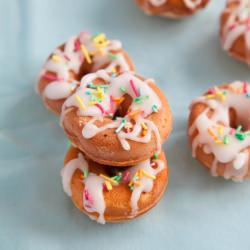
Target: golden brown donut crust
{"points": [[105, 147], [239, 48], [172, 8], [56, 105], [207, 159], [118, 199]]}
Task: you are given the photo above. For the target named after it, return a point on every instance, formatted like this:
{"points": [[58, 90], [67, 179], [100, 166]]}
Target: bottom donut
{"points": [[113, 194]]}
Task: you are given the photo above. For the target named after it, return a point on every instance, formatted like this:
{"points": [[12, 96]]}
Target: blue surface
{"points": [[197, 212]]}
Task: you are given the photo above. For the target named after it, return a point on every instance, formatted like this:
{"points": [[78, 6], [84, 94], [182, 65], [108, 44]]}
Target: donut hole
{"points": [[123, 108], [235, 120]]}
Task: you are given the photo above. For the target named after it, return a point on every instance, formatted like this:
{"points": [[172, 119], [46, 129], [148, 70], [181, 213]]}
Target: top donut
{"points": [[77, 57], [171, 8], [117, 119]]}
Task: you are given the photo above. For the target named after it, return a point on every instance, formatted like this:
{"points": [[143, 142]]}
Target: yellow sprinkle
{"points": [[128, 125], [80, 102], [210, 96], [113, 70], [211, 132], [108, 185], [56, 58], [144, 126], [101, 40], [137, 183], [109, 179], [148, 175], [86, 54], [218, 142], [220, 129], [99, 93]]}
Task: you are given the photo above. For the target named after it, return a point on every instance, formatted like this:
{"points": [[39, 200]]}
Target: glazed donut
{"points": [[235, 29], [79, 56], [171, 8], [118, 195], [117, 120], [219, 130]]}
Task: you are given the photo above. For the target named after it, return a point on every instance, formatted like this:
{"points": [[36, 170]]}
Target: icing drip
{"points": [[237, 25], [191, 4], [93, 198], [76, 51], [215, 134], [144, 101], [146, 184]]}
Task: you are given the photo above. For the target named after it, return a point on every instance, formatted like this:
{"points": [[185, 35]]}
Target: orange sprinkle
{"points": [[135, 113]]}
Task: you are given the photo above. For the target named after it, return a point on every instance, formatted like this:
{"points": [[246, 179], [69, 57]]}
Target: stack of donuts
{"points": [[116, 120]]}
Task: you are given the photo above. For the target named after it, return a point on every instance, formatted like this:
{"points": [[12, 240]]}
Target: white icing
{"points": [[238, 24], [232, 154], [114, 90], [94, 185], [146, 184], [70, 60], [191, 4]]}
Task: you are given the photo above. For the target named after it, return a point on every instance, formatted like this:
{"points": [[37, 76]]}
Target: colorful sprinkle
{"points": [[80, 102], [134, 88], [105, 177], [86, 54], [100, 107], [121, 126], [51, 77], [56, 58], [155, 108]]}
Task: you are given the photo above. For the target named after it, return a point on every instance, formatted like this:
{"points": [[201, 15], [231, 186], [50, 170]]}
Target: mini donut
{"points": [[117, 120], [219, 130], [235, 29], [171, 8], [79, 56], [113, 195]]}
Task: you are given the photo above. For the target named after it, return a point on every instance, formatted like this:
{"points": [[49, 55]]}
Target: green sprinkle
{"points": [[112, 56], [226, 140], [86, 173], [123, 89], [88, 93], [155, 108], [93, 86], [156, 155], [238, 129], [240, 136], [121, 126], [247, 133]]}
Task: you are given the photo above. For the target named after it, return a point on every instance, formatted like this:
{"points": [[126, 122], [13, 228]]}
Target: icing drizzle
{"points": [[103, 101], [215, 135], [95, 50], [93, 198], [237, 25]]}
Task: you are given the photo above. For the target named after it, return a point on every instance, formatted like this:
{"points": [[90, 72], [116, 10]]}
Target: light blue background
{"points": [[197, 212]]}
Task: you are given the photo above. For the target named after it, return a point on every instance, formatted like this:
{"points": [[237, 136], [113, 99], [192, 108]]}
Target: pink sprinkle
{"points": [[231, 132], [232, 27], [50, 77], [245, 87], [77, 44], [88, 197], [100, 107], [211, 91], [126, 176], [66, 57], [134, 88]]}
